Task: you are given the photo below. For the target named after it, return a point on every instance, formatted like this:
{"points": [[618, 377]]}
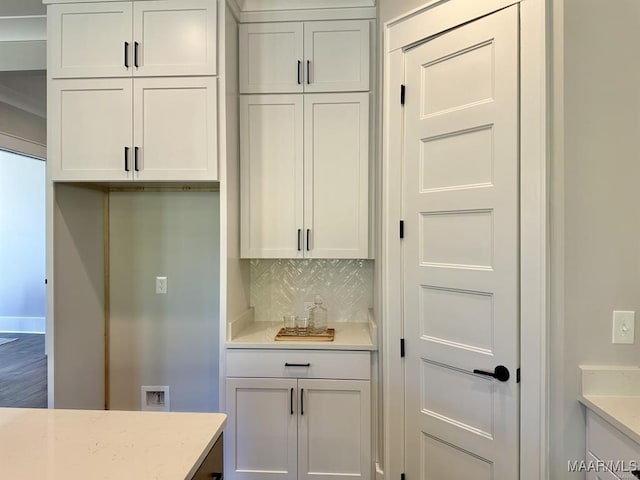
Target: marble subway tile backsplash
{"points": [[282, 286]]}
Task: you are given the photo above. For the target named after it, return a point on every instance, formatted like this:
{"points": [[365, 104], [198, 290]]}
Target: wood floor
{"points": [[23, 371]]}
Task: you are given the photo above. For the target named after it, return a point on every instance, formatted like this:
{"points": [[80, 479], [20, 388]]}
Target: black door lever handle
{"points": [[500, 373]]}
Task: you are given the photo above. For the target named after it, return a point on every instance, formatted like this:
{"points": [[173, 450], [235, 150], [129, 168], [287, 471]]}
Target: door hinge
{"points": [[401, 228], [401, 94], [518, 375], [401, 347]]}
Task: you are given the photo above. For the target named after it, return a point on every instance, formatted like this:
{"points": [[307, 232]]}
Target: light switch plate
{"points": [[161, 285], [623, 327]]}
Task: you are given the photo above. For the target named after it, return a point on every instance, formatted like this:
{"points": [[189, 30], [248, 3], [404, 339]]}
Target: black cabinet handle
{"points": [[135, 54], [135, 159], [299, 80], [308, 247], [126, 159], [287, 364], [308, 72], [291, 401], [500, 373], [299, 239], [302, 401], [126, 54]]}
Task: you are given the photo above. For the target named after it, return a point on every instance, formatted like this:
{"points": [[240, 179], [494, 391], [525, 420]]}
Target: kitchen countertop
{"points": [[349, 336], [613, 392], [54, 444]]}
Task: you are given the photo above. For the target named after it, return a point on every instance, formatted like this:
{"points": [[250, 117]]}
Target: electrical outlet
{"points": [[155, 398], [623, 327], [161, 285]]}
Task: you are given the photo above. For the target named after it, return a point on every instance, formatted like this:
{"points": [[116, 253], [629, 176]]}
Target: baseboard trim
{"points": [[22, 324]]}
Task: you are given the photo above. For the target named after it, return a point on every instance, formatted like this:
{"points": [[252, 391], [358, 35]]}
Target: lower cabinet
{"points": [[298, 428], [212, 465]]}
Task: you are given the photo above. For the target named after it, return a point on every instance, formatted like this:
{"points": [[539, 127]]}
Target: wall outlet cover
{"points": [[155, 398]]}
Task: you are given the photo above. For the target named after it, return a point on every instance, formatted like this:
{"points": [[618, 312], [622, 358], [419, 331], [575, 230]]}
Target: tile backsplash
{"points": [[282, 286]]}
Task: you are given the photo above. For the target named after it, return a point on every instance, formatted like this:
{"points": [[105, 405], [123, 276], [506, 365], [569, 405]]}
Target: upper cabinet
{"points": [[304, 165], [295, 57], [144, 129], [148, 38]]}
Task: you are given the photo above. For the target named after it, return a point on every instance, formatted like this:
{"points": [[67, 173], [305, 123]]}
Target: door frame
{"points": [[433, 18]]}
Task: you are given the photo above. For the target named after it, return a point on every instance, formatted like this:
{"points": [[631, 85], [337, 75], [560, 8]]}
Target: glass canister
{"points": [[319, 316]]}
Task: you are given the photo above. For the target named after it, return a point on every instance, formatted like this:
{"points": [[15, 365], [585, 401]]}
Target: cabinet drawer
{"points": [[336, 364], [595, 472], [609, 445]]}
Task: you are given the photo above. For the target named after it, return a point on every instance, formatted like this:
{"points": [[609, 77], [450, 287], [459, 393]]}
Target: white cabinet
{"points": [[133, 129], [328, 56], [610, 454], [123, 39], [298, 427], [306, 159]]}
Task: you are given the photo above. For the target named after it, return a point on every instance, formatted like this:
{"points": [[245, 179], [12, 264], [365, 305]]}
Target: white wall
{"points": [[167, 339], [22, 243], [596, 226]]}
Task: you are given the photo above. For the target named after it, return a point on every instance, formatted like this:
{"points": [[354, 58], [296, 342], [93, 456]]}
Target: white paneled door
{"points": [[461, 255]]}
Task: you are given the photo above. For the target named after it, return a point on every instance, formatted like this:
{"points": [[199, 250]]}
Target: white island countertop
{"points": [[104, 445], [348, 336]]}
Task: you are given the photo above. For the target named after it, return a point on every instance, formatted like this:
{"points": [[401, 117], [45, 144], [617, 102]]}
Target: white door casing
{"points": [[461, 251]]}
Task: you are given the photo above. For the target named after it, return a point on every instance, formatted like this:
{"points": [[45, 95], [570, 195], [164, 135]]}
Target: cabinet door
{"points": [[334, 429], [175, 37], [175, 129], [338, 56], [260, 438], [271, 57], [90, 128], [271, 176], [89, 40], [336, 174]]}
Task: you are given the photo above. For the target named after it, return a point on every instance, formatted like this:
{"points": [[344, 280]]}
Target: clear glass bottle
{"points": [[318, 316]]}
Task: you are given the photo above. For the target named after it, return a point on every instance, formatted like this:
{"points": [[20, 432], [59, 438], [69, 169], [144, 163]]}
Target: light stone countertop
{"points": [[349, 336], [51, 444], [613, 392]]}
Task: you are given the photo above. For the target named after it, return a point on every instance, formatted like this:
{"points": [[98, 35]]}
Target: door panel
{"points": [[175, 38], [271, 169], [334, 429], [336, 174], [93, 127], [328, 70], [175, 128], [460, 205], [104, 26], [271, 56], [262, 446]]}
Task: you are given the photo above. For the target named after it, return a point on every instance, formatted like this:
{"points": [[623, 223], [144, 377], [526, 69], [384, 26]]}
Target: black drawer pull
{"points": [[302, 401], [291, 401], [126, 54], [126, 159], [299, 81], [135, 54], [287, 364], [135, 159], [299, 239], [308, 247], [308, 72]]}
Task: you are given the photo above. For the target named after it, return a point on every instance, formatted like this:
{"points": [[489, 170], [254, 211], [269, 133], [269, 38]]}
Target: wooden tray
{"points": [[282, 336]]}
